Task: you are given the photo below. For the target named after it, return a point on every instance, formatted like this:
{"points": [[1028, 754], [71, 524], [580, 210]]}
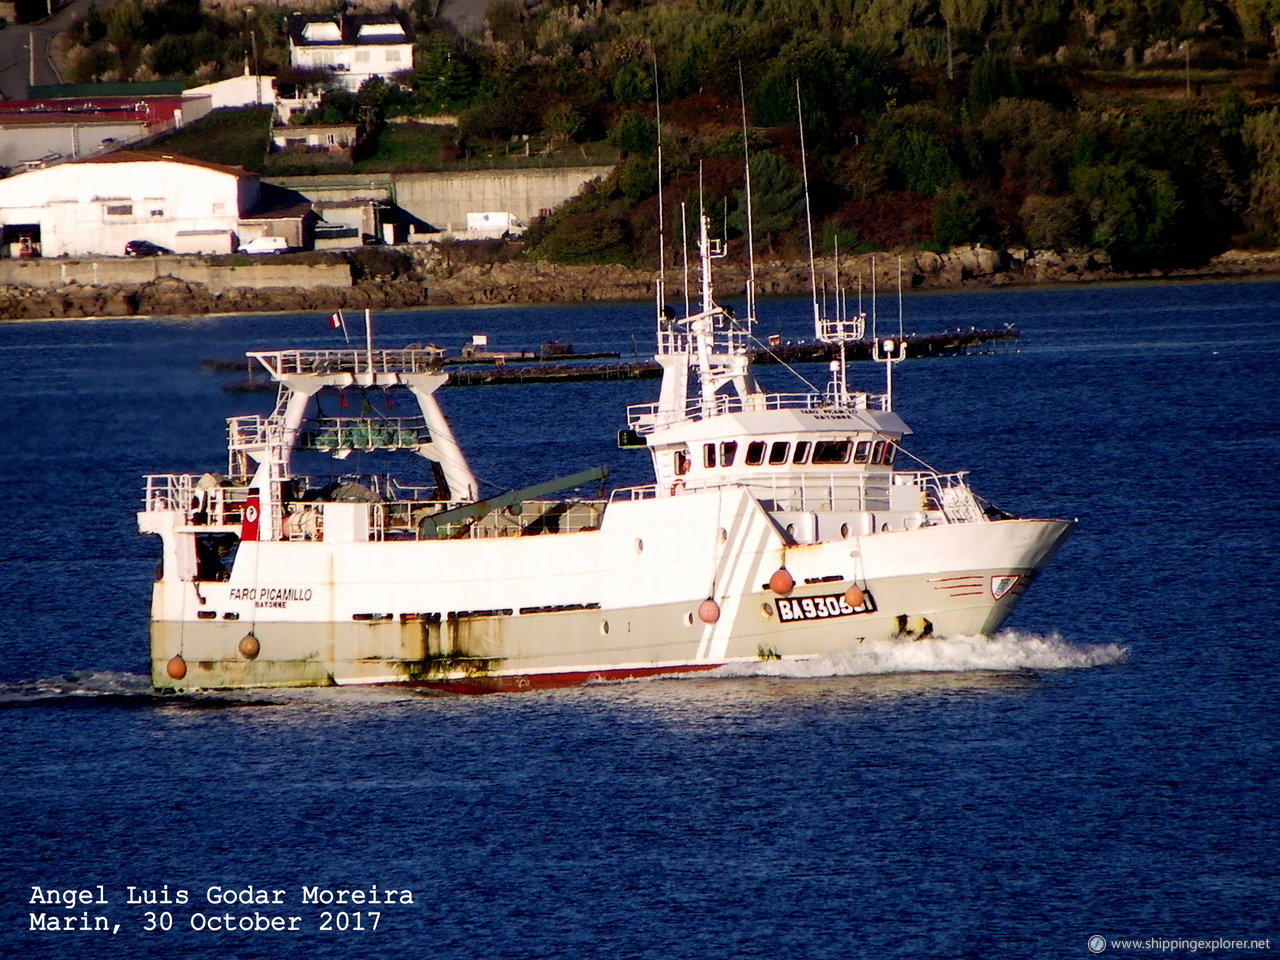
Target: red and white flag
{"points": [[338, 322]]}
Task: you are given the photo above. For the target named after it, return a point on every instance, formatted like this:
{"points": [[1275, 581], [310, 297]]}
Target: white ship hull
{"points": [[779, 526], [626, 599]]}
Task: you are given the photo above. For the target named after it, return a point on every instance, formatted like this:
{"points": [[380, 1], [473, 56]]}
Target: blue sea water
{"points": [[1105, 767]]}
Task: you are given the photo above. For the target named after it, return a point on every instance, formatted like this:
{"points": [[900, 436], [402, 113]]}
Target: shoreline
{"points": [[517, 282]]}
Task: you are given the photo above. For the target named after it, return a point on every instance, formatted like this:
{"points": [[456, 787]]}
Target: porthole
{"points": [[639, 545], [767, 610], [844, 531], [724, 535], [688, 619], [604, 628]]}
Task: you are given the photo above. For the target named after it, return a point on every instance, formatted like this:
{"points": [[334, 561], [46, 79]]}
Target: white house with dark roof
{"points": [[354, 47], [96, 206]]}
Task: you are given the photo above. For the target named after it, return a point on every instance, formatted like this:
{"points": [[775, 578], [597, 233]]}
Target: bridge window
{"points": [[708, 455], [755, 453], [862, 451], [778, 452], [877, 452], [831, 451], [728, 450], [802, 452], [890, 449], [682, 463]]}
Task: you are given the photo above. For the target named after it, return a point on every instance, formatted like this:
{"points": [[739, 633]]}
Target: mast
{"points": [[900, 333], [808, 217], [889, 351], [751, 242], [839, 330], [684, 250], [708, 248], [661, 287]]}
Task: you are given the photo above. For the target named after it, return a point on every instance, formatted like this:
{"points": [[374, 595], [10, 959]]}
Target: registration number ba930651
{"points": [[821, 608]]}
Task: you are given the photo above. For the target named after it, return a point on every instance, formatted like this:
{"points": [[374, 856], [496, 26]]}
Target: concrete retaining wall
{"points": [[444, 199], [216, 278]]}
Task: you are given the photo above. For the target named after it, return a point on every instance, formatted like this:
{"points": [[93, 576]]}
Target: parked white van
{"points": [[266, 245]]}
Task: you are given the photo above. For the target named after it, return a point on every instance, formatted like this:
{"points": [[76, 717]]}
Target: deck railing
{"points": [[644, 417], [205, 504], [202, 502], [942, 495], [349, 360]]}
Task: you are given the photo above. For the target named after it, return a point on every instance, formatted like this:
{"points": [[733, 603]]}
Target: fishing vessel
{"points": [[778, 526]]}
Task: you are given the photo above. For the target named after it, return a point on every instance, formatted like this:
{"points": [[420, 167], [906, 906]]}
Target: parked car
{"points": [[266, 245], [143, 248]]}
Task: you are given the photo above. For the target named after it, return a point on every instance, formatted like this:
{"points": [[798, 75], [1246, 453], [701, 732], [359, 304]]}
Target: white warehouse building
{"points": [[97, 205]]}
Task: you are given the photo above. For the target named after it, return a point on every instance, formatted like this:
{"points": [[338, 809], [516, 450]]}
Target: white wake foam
{"points": [[1005, 652], [90, 683]]}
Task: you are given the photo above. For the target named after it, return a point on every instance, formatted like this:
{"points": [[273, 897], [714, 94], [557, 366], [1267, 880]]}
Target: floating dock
{"points": [[485, 368]]}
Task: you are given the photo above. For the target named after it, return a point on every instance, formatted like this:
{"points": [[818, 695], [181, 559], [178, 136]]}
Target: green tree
{"points": [[590, 230], [1135, 212], [1184, 142], [378, 95], [638, 178], [94, 26], [777, 199], [706, 58], [918, 146], [442, 75], [1257, 18], [955, 221], [992, 78], [836, 80], [171, 54], [1027, 144], [633, 83], [563, 122], [496, 120], [1261, 135], [125, 25], [337, 105], [634, 133], [1052, 223]]}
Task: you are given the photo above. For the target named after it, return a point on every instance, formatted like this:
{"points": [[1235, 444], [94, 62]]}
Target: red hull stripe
{"points": [[549, 681]]}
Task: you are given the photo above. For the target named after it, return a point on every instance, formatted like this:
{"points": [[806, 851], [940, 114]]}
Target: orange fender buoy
{"points": [[176, 667], [782, 582], [708, 611], [854, 597], [249, 646]]}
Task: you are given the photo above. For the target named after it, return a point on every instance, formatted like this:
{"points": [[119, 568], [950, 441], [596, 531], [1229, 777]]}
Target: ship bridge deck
{"points": [[282, 363]]}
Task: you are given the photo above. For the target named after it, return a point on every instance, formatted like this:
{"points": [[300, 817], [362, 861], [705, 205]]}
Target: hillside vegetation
{"points": [[1151, 131]]}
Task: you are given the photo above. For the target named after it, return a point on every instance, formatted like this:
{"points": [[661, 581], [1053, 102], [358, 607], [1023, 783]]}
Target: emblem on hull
{"points": [[1002, 585]]}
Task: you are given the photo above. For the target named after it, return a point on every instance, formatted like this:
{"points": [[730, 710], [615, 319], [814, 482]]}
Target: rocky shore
{"points": [[439, 280], [525, 282]]}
